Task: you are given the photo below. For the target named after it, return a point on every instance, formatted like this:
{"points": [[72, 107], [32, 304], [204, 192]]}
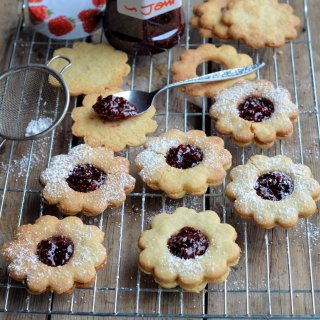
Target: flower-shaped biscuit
{"points": [[188, 249], [117, 134], [183, 162], [261, 23], [208, 18], [56, 255], [95, 67], [195, 23], [254, 112], [87, 180], [273, 191], [226, 55]]}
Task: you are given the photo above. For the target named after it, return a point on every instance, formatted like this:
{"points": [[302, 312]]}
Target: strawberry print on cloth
{"points": [[60, 19]]}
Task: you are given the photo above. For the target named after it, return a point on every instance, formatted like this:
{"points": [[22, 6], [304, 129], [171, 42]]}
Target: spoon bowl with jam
{"points": [[131, 103]]}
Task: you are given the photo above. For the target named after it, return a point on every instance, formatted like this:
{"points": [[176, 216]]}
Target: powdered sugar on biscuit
{"points": [[153, 159], [24, 263], [111, 192], [278, 126], [269, 213]]}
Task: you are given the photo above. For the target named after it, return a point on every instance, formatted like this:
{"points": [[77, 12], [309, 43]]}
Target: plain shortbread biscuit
{"points": [[94, 68], [261, 23]]}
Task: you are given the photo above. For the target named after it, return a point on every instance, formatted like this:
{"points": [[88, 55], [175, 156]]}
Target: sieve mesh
{"points": [[30, 93]]}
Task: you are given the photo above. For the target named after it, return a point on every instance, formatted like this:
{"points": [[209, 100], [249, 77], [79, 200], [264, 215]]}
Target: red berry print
{"points": [[61, 25], [90, 19], [99, 3], [38, 14]]}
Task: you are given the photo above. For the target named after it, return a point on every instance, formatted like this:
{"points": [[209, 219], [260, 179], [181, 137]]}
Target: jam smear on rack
{"points": [[188, 243], [114, 108], [86, 178], [184, 156], [256, 109], [143, 37], [274, 186], [55, 251]]}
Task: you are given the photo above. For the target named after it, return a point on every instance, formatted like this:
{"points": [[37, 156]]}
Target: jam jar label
{"points": [[146, 9]]}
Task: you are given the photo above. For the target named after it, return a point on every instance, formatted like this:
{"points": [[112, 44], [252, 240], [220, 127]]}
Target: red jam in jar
{"points": [[144, 26]]}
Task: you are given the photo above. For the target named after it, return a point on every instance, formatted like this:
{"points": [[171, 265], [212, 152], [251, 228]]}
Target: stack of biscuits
{"points": [[258, 23]]}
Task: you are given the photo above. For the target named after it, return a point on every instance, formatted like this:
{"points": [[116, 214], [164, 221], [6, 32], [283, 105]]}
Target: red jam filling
{"points": [[256, 109], [55, 251], [86, 178], [114, 108], [184, 156], [188, 243], [274, 186]]}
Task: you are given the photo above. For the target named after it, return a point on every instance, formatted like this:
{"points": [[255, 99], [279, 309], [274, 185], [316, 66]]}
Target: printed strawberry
{"points": [[61, 25], [99, 3], [38, 14], [90, 19]]}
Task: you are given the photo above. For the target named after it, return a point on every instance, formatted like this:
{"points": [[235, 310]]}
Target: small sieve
{"points": [[29, 94]]}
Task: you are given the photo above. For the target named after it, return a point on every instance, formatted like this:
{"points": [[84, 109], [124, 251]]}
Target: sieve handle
{"points": [[2, 143], [60, 56]]}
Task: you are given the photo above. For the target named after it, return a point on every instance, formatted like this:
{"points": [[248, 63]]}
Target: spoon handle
{"points": [[217, 76]]}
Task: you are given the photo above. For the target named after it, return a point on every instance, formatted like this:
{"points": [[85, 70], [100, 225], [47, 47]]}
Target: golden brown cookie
{"points": [[95, 67], [254, 112], [205, 33], [180, 163], [273, 191], [210, 17], [56, 255], [226, 55], [261, 23], [118, 134], [87, 180], [188, 249]]}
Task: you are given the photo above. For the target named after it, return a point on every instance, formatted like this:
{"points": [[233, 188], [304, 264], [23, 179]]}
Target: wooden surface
{"points": [[8, 22], [116, 222]]}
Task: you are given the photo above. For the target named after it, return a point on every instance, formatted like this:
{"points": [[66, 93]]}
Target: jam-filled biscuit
{"points": [[226, 55], [261, 23], [254, 112], [56, 255], [273, 191], [188, 249], [99, 125], [180, 163], [87, 180]]}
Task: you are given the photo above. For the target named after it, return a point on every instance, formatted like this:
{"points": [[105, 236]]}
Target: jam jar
{"points": [[143, 26]]}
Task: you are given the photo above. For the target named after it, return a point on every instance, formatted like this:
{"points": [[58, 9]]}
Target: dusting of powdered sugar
{"points": [[19, 167], [183, 267], [153, 158], [24, 261], [300, 232], [113, 188], [243, 188], [227, 101], [37, 126], [60, 167]]}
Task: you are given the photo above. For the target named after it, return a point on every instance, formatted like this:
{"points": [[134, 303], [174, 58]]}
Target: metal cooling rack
{"points": [[259, 287]]}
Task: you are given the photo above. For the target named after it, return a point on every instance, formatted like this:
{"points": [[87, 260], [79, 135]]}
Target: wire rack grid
{"points": [[278, 275]]}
